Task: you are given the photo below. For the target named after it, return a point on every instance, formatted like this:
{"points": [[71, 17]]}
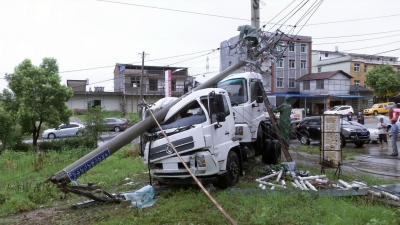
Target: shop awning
{"points": [[347, 96]]}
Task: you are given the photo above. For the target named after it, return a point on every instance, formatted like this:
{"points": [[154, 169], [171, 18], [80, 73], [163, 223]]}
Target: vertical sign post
{"points": [[331, 150], [168, 83]]}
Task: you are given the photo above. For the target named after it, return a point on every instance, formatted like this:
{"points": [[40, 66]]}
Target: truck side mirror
{"points": [[220, 117], [219, 103], [260, 99]]}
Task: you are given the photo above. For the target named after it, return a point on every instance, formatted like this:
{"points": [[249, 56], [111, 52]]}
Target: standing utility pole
{"points": [[141, 78], [255, 13]]}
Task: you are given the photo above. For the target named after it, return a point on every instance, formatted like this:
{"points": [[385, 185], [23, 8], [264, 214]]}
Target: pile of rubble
{"points": [[287, 173]]}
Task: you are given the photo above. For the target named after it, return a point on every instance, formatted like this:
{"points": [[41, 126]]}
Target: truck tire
{"points": [[233, 170], [273, 153], [260, 143]]}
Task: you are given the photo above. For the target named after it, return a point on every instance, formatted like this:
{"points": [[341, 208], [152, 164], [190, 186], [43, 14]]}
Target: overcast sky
{"points": [[84, 34]]}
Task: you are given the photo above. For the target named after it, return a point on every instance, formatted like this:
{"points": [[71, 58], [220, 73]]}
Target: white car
{"points": [[340, 110], [64, 130]]}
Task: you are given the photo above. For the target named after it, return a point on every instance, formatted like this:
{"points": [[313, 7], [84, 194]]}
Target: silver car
{"points": [[115, 124], [64, 130]]}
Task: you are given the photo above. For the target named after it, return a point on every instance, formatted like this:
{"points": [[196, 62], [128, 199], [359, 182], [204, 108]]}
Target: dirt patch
{"points": [[39, 216]]}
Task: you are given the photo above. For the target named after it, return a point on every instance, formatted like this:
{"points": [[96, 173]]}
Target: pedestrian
{"points": [[382, 126], [393, 133], [350, 116], [360, 118]]}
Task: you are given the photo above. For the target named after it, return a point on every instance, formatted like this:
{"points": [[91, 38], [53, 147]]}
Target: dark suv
{"points": [[309, 130]]}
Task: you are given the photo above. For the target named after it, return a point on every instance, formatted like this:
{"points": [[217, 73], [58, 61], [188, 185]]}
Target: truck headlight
{"points": [[201, 161], [239, 130]]}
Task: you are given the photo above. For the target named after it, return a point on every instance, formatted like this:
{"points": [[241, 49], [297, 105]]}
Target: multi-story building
{"points": [[357, 65], [281, 79], [127, 78]]}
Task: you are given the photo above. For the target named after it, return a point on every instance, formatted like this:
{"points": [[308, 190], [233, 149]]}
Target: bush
{"points": [[21, 147], [79, 111], [68, 144]]}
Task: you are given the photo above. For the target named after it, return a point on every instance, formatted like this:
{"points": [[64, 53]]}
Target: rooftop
{"points": [[322, 75]]}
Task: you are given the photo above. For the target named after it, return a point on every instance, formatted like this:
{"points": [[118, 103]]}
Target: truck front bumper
{"points": [[201, 163]]}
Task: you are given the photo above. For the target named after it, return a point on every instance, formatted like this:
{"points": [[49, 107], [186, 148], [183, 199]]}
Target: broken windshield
{"points": [[236, 88]]}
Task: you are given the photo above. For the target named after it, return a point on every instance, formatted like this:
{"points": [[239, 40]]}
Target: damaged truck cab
{"points": [[215, 131]]}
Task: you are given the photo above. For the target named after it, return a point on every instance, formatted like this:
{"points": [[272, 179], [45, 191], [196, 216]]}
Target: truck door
{"points": [[222, 131], [257, 103]]}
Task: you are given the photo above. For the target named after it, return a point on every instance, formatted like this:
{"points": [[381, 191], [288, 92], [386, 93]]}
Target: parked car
{"points": [[115, 124], [309, 130], [379, 108], [373, 132], [340, 110], [64, 130]]}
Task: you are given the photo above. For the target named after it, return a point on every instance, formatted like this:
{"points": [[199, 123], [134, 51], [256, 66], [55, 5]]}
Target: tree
{"points": [[383, 80], [37, 97], [94, 119]]}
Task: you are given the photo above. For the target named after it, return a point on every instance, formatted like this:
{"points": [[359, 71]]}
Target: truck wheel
{"points": [[273, 154], [265, 152], [260, 143], [233, 171]]}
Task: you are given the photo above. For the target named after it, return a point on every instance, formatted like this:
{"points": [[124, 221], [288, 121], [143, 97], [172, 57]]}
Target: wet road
{"points": [[370, 158]]}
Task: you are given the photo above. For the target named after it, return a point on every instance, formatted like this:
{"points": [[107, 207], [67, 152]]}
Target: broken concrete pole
{"points": [[344, 183], [388, 195], [294, 185], [279, 176], [313, 177], [377, 194], [310, 185], [298, 184], [267, 177]]}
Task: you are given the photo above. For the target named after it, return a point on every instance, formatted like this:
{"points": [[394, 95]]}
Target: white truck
{"points": [[215, 130]]}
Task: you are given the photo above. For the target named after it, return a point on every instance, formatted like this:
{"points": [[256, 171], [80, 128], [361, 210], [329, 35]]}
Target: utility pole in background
{"points": [[141, 78], [255, 13]]}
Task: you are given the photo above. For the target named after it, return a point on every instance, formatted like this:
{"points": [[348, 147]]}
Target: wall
{"points": [[111, 102], [333, 64], [337, 85]]}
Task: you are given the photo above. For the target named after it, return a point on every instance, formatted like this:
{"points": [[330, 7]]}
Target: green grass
{"points": [[22, 189], [315, 150]]}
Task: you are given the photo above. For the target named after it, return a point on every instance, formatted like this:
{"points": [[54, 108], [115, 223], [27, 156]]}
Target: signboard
{"points": [[168, 83], [331, 152]]}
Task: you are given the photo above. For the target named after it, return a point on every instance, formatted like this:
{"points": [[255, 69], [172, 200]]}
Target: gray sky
{"points": [[84, 34]]}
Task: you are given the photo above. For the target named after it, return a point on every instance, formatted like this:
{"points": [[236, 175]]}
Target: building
{"points": [[110, 101], [357, 65], [327, 89], [283, 74], [127, 78]]}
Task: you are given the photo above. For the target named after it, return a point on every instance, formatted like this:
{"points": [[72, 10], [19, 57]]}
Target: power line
{"points": [[358, 40], [235, 18], [355, 35]]}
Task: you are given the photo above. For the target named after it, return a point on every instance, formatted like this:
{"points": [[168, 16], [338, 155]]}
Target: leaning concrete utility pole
{"points": [[81, 166], [141, 78], [255, 13]]}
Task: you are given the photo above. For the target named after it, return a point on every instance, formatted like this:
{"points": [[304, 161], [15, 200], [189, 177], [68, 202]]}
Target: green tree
{"points": [[383, 80], [37, 96], [94, 119]]}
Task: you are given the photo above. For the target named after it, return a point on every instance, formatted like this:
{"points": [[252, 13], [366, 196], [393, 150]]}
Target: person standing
{"points": [[393, 133], [350, 116], [382, 126], [360, 118]]}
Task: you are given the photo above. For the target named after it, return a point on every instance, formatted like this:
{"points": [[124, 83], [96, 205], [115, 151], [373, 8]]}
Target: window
{"points": [[303, 64], [279, 64], [319, 69], [356, 67], [236, 89], [291, 47], [320, 84], [226, 106], [291, 63], [280, 46], [291, 82], [135, 81], [326, 55], [279, 82], [365, 68], [230, 63], [303, 48], [153, 86], [356, 82], [306, 85]]}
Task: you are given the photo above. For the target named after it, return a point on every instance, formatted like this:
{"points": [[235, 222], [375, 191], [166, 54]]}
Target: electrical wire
{"points": [[356, 35], [318, 5], [396, 35]]}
